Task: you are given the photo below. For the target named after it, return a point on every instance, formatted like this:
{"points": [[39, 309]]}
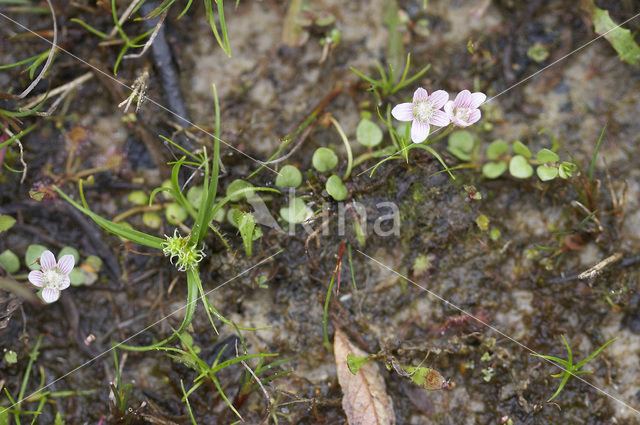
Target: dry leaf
{"points": [[365, 399]]}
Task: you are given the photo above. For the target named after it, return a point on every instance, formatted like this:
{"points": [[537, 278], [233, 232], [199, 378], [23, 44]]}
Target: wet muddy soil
{"points": [[511, 259]]}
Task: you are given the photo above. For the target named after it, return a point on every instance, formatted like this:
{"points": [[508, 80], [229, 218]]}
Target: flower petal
{"points": [[50, 295], [65, 264], [35, 277], [420, 94], [463, 98], [440, 118], [47, 261], [65, 283], [439, 98], [474, 116], [477, 99], [448, 108], [402, 112], [460, 123], [419, 131]]}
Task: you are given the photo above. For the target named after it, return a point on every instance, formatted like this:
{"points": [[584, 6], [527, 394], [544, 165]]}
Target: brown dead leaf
{"points": [[365, 400]]}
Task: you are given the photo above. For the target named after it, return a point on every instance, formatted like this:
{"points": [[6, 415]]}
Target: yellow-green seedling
{"points": [[248, 231], [11, 357]]}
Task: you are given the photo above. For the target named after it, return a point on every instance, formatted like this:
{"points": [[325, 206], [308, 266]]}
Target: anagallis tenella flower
{"points": [[424, 111], [53, 277], [463, 111]]}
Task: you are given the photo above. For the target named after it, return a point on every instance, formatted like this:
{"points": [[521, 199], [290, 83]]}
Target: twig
{"points": [[286, 156], [597, 269], [64, 89], [589, 213]]}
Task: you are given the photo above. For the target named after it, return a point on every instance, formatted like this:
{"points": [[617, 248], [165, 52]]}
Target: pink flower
{"points": [[54, 277], [422, 112], [463, 111]]}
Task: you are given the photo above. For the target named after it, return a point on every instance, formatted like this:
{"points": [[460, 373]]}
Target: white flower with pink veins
{"points": [[463, 111], [424, 111], [54, 277]]}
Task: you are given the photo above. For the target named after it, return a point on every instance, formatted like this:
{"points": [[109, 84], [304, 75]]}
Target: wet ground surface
{"points": [[524, 283]]}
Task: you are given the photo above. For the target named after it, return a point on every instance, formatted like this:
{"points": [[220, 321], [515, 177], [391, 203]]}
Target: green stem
{"points": [[347, 146], [444, 133]]}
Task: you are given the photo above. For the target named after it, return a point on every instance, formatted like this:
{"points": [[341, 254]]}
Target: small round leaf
{"points": [[69, 250], [462, 140], [296, 212], [520, 168], [194, 196], [324, 159], [138, 197], [175, 213], [31, 256], [220, 215], [238, 185], [6, 222], [336, 188], [11, 357], [289, 176], [368, 133], [496, 149], [520, 149], [93, 263], [77, 277], [493, 170], [546, 173], [546, 156], [9, 261], [152, 220], [461, 145]]}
